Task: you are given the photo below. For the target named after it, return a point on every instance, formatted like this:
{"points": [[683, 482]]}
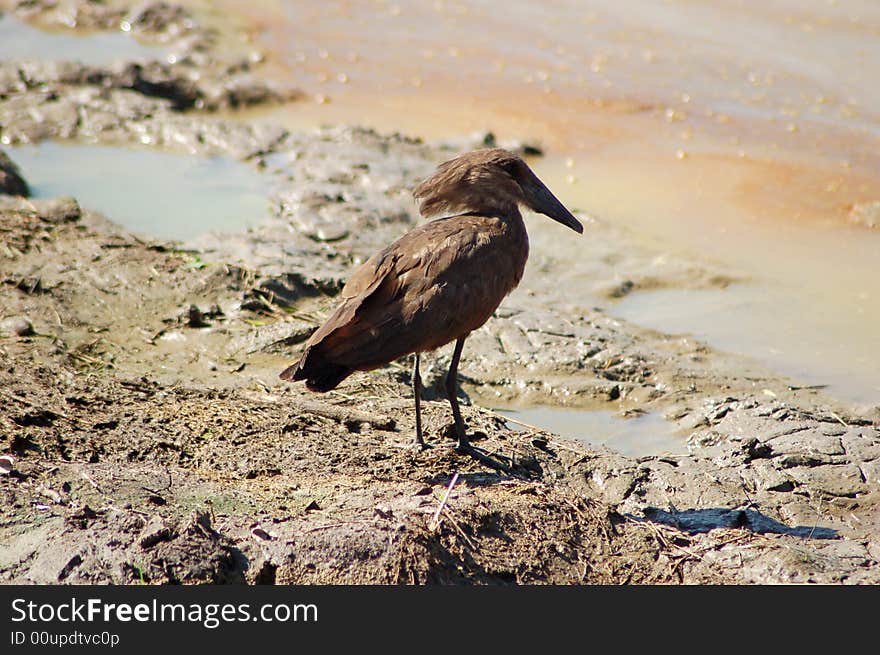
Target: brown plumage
{"points": [[440, 281]]}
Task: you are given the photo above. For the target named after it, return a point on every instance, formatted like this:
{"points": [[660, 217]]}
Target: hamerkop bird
{"points": [[440, 281]]}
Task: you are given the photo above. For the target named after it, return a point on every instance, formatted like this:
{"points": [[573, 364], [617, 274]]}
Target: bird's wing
{"points": [[367, 275], [434, 284], [360, 287], [363, 283]]}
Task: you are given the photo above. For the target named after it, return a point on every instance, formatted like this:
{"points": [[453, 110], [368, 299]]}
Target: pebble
{"points": [[19, 326]]}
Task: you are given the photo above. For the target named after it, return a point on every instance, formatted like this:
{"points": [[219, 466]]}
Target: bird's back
{"points": [[435, 284]]}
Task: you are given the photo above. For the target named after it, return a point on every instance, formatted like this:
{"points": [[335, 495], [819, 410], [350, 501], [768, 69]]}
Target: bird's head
{"points": [[490, 180]]}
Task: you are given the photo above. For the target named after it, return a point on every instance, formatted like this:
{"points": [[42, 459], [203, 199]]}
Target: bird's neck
{"points": [[510, 215]]}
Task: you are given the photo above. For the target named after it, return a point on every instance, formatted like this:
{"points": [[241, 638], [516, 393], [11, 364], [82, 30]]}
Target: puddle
{"points": [[163, 195], [640, 436], [807, 306], [772, 329], [18, 40]]}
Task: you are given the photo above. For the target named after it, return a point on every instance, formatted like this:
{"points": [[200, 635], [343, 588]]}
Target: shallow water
{"points": [[545, 69], [18, 40], [646, 434], [730, 319], [159, 194], [807, 306]]}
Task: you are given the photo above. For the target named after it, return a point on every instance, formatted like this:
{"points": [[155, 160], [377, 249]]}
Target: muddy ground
{"points": [[147, 438]]}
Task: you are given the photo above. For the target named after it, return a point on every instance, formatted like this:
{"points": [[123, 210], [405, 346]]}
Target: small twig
{"points": [[32, 404], [448, 514], [340, 413], [741, 537], [318, 528], [345, 415], [750, 503], [344, 396], [88, 478], [844, 423], [435, 522], [330, 526], [518, 422], [818, 517]]}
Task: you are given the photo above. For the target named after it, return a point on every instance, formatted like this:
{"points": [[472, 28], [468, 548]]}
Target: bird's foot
{"points": [[494, 461]]}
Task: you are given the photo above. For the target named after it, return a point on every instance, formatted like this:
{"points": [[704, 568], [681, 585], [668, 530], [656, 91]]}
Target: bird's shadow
{"points": [[697, 521]]}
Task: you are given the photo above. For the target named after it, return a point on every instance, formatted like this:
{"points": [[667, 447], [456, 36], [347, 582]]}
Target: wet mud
{"points": [[146, 438]]}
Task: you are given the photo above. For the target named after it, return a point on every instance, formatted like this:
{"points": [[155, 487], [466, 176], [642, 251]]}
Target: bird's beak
{"points": [[539, 198]]}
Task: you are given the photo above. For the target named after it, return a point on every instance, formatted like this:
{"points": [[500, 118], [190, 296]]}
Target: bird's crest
{"points": [[483, 181]]}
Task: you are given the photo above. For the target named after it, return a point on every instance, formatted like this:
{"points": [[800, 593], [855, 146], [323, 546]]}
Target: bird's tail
{"points": [[319, 376]]}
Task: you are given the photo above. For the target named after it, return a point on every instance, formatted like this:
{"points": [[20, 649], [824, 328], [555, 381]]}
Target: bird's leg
{"points": [[417, 394], [464, 445], [452, 394]]}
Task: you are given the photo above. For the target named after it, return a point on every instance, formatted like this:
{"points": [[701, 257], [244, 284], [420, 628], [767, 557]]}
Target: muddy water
{"points": [[808, 303], [647, 434], [18, 40], [153, 193], [737, 133]]}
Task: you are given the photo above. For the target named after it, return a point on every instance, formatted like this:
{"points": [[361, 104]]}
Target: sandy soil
{"points": [[147, 438]]}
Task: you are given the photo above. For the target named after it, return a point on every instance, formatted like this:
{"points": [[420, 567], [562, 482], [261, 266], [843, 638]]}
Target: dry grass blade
{"points": [[448, 514], [435, 521]]}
